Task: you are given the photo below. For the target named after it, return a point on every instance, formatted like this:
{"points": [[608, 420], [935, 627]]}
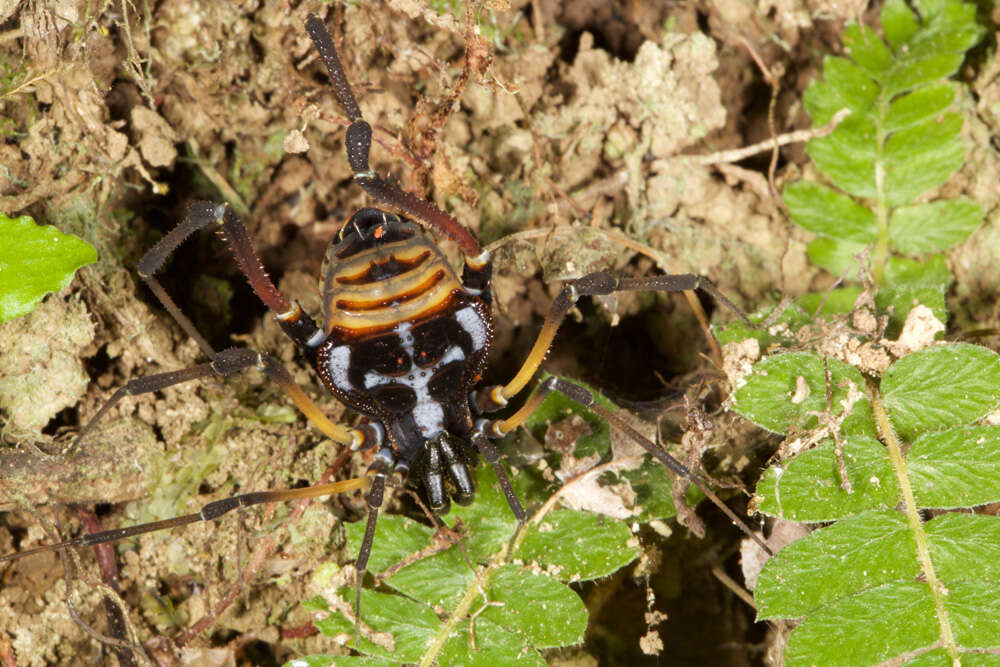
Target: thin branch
{"points": [[738, 154]]}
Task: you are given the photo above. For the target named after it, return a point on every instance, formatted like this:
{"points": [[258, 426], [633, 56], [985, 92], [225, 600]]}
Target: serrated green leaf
{"points": [[868, 50], [397, 538], [847, 155], [787, 391], [923, 103], [866, 629], [939, 387], [974, 611], [852, 555], [958, 467], [494, 646], [411, 624], [438, 580], [935, 226], [963, 546], [898, 22], [545, 611], [577, 546], [809, 487], [922, 157], [913, 72], [869, 550], [849, 84], [838, 257], [36, 260], [489, 515], [823, 211]]}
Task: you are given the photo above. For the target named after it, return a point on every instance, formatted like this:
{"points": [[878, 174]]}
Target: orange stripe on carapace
{"points": [[397, 299], [403, 263]]}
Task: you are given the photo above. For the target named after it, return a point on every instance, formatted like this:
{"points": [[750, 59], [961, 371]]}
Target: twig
{"points": [[737, 154]]}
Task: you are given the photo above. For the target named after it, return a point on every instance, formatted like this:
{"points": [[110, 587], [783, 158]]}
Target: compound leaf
{"points": [[938, 387], [36, 260]]}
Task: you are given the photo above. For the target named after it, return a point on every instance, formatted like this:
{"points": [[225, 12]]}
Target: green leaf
{"points": [[938, 387], [852, 555], [868, 50], [866, 629], [958, 467], [921, 104], [824, 211], [809, 487], [578, 546], [838, 257], [899, 23], [36, 260], [544, 610], [922, 157], [933, 227], [787, 391], [912, 73], [847, 155], [964, 545], [495, 645], [869, 550], [911, 282], [411, 624]]}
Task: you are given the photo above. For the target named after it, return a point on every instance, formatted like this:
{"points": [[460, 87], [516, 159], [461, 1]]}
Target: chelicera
{"points": [[402, 341]]}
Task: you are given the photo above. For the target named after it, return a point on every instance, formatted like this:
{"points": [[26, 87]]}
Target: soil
{"points": [[562, 153]]}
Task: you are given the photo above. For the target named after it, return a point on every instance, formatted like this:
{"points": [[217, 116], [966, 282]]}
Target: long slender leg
{"points": [[492, 398], [359, 142], [229, 362], [201, 214], [379, 470], [208, 512], [500, 427]]}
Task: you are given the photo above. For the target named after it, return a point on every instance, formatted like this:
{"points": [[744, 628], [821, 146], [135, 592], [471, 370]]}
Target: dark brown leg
{"points": [[201, 214], [359, 143]]}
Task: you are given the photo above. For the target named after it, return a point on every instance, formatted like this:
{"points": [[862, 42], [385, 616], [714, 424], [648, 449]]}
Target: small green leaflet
{"points": [[35, 260]]}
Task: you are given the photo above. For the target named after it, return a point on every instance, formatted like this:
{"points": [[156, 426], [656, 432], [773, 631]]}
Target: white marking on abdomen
{"points": [[427, 412], [338, 364], [473, 324]]}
